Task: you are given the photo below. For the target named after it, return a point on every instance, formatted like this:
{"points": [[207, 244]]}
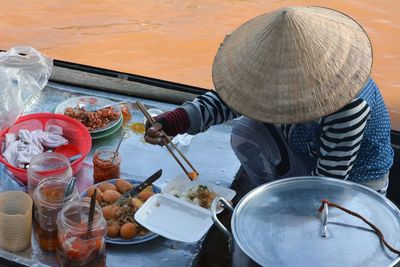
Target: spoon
{"points": [[120, 141], [119, 144], [94, 108], [70, 187]]}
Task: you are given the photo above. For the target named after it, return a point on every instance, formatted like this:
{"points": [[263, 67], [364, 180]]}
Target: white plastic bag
{"points": [[23, 73]]}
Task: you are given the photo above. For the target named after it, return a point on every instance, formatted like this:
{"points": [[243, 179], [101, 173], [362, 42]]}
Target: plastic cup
{"points": [[15, 220], [47, 165]]}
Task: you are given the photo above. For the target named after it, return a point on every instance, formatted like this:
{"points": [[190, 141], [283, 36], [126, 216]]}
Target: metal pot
{"points": [[278, 224]]}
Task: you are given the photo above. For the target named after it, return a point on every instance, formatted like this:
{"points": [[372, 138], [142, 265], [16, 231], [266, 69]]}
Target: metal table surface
{"points": [[209, 152]]}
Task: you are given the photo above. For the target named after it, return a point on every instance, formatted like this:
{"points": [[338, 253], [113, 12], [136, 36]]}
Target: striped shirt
{"points": [[342, 133], [352, 143]]}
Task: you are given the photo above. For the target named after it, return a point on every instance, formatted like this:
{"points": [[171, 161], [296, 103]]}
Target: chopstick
{"points": [[169, 141]]}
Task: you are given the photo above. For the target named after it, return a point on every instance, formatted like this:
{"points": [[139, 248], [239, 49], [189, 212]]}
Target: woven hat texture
{"points": [[293, 65]]}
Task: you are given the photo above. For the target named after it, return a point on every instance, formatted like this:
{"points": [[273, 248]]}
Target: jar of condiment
{"points": [[106, 164], [47, 165], [77, 246], [49, 198]]}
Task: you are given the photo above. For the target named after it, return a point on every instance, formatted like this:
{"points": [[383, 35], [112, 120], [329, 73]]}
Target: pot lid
{"points": [[278, 224]]}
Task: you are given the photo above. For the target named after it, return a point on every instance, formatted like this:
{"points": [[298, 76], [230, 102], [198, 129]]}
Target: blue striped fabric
{"points": [[352, 143]]}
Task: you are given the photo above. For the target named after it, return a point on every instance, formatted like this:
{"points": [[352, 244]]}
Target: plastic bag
{"points": [[23, 73]]}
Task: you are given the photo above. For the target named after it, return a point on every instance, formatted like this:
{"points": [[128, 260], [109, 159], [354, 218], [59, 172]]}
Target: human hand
{"points": [[169, 123], [154, 134]]}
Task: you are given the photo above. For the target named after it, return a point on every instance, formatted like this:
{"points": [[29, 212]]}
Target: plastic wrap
{"points": [[23, 73]]}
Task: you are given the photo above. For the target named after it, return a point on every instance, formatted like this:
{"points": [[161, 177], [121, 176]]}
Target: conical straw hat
{"points": [[293, 65]]}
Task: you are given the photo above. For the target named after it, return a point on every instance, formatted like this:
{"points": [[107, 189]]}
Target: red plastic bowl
{"points": [[76, 133]]}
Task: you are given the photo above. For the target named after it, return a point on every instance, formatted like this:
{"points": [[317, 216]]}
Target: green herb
{"points": [[203, 187]]}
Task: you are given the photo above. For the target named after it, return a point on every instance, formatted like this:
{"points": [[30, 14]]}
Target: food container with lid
{"points": [[278, 224], [174, 214]]}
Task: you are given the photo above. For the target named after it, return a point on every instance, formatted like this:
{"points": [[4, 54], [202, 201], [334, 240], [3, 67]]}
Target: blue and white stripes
{"points": [[342, 134], [352, 143]]}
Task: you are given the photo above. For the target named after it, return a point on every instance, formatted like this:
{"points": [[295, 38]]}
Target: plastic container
{"points": [[48, 165], [76, 247], [181, 187], [126, 114], [106, 164], [15, 220], [76, 133], [174, 215], [49, 198], [174, 218]]}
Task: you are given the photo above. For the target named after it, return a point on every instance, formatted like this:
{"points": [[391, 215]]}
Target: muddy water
{"points": [[176, 40]]}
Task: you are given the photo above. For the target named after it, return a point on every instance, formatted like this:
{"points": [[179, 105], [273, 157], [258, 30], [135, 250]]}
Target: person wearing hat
{"points": [[298, 80]]}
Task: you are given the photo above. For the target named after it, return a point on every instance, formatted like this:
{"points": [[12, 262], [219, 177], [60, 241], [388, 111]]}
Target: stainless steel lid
{"points": [[278, 224]]}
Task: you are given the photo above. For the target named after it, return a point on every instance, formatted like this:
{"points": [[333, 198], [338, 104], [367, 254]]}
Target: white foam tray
{"points": [[176, 218], [183, 184], [173, 218]]}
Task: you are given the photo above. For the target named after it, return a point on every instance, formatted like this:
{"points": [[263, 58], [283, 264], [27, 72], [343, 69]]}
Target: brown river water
{"points": [[176, 40]]}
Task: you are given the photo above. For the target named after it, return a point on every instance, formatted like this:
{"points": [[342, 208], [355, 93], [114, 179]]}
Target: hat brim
{"points": [[293, 65]]}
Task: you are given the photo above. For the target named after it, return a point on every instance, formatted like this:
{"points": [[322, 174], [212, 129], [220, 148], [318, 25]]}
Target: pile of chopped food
{"points": [[120, 219], [200, 195], [93, 119]]}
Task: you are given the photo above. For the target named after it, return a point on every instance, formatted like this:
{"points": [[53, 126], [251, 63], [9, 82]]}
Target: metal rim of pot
{"points": [[232, 237]]}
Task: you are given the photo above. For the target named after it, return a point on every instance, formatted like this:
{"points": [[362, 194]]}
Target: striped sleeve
{"points": [[207, 110], [341, 137]]}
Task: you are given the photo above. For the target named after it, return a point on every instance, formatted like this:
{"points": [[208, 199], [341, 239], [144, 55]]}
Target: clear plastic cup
{"points": [[15, 220], [76, 247], [106, 164], [46, 165], [49, 198], [126, 114]]}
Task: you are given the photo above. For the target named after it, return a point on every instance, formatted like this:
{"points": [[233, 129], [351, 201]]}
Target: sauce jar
{"points": [[47, 165], [76, 246], [49, 198], [106, 164]]}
